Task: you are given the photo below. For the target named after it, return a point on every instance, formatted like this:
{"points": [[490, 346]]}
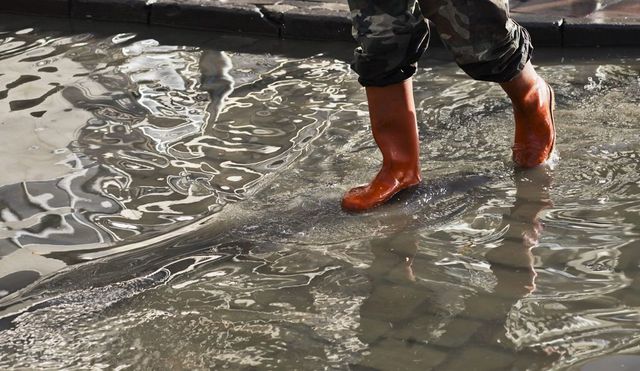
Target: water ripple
{"points": [[193, 194]]}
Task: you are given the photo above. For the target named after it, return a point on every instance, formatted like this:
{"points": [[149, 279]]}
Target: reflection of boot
{"points": [[533, 102], [393, 123], [215, 79], [512, 262], [393, 258]]}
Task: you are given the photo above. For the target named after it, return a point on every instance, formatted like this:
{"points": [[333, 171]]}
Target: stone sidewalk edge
{"points": [[295, 19]]}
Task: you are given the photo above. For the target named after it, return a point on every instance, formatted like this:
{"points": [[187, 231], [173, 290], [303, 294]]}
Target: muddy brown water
{"points": [[171, 200]]}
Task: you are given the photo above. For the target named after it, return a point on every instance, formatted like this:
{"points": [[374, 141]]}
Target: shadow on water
{"points": [[186, 188]]}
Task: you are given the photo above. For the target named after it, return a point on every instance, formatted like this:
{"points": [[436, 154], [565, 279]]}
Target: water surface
{"points": [[176, 205]]}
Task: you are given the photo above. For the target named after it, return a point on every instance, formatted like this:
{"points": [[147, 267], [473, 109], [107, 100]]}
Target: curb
{"points": [[54, 8], [106, 10], [587, 32], [213, 16], [312, 20]]}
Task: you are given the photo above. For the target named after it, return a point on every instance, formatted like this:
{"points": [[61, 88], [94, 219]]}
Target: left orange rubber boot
{"points": [[394, 127], [533, 104]]}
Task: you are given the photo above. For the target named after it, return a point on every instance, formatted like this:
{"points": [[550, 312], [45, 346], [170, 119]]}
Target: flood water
{"points": [[175, 205]]}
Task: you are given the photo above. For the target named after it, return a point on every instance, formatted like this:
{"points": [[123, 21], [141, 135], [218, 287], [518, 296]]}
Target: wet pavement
{"points": [[173, 202], [592, 9]]}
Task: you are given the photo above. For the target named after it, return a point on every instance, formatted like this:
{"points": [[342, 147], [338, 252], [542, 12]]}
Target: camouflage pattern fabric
{"points": [[485, 42]]}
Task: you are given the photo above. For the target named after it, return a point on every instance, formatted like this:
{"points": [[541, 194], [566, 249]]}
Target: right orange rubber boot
{"points": [[395, 130], [533, 104]]}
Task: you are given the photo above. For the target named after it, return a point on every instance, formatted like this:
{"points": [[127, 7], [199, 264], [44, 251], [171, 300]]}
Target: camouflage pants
{"points": [[393, 34]]}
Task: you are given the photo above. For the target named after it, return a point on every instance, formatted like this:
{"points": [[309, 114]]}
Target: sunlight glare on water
{"points": [[168, 206]]}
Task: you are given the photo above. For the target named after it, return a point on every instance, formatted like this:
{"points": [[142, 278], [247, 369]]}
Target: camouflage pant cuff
{"points": [[391, 78], [505, 68]]}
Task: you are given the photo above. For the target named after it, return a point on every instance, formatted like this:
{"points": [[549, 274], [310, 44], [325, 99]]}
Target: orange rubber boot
{"points": [[533, 102], [395, 130]]}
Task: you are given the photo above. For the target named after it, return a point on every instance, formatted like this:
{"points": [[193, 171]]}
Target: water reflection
{"points": [[132, 167], [420, 322], [215, 79], [134, 139]]}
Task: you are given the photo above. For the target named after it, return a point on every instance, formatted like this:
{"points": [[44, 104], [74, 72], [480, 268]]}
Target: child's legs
{"points": [[486, 43]]}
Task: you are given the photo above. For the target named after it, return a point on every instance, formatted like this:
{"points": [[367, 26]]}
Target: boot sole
{"points": [[381, 202]]}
